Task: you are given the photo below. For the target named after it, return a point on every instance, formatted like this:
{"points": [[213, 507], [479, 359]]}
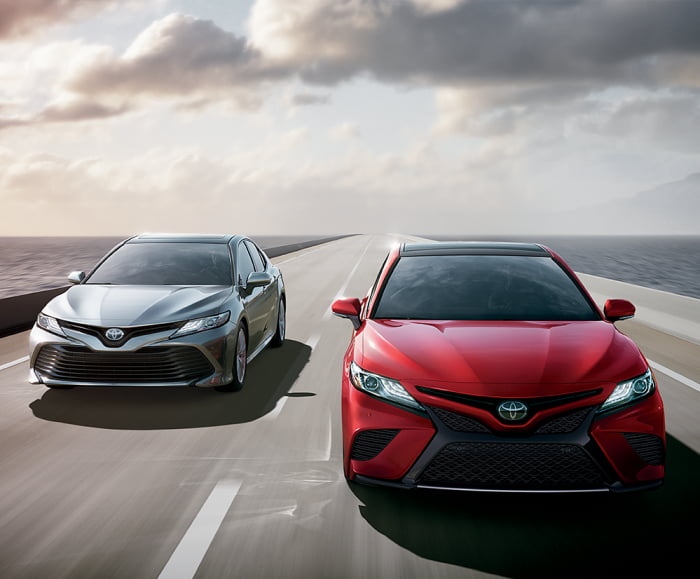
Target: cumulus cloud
{"points": [[20, 17], [522, 53], [448, 42], [179, 56]]}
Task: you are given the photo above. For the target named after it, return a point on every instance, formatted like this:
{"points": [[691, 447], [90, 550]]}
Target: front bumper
{"points": [[148, 359], [580, 451]]}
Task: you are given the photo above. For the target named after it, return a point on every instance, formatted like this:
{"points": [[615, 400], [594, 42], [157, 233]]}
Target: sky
{"points": [[470, 117]]}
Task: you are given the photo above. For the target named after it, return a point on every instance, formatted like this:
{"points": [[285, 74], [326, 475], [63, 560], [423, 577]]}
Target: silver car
{"points": [[162, 310]]}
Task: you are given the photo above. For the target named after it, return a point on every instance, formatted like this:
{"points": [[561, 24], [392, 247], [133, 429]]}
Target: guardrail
{"points": [[17, 313]]}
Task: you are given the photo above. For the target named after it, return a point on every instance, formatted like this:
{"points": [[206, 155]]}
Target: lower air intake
{"points": [[512, 466], [370, 443], [650, 448]]}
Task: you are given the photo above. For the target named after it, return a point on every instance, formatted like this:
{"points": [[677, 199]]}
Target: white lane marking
{"points": [[675, 375], [300, 255], [13, 363], [188, 555], [275, 412], [327, 454], [313, 341], [342, 289]]}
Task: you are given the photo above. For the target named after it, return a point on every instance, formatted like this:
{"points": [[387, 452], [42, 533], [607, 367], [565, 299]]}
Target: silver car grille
{"points": [[154, 365]]}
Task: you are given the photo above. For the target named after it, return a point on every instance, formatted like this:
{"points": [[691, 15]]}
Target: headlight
{"points": [[630, 391], [201, 324], [49, 324], [382, 387]]}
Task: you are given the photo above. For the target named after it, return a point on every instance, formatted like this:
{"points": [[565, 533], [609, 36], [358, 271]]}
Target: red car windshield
{"points": [[481, 287]]}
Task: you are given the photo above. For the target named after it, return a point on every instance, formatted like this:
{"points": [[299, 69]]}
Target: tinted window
{"points": [[166, 264], [481, 287], [255, 255], [244, 264]]}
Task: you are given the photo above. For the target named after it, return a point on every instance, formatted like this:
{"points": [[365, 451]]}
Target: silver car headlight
{"points": [[630, 391], [382, 387], [49, 324], [202, 324]]}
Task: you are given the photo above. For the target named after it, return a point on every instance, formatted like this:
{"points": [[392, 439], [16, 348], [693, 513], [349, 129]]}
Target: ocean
{"points": [[668, 263], [32, 264]]}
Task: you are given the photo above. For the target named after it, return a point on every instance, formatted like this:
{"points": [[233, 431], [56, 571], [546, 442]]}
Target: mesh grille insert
{"points": [[458, 422], [650, 448], [564, 423], [512, 466], [370, 443]]}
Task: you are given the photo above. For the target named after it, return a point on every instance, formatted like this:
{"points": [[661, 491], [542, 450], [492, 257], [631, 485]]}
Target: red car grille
{"points": [[512, 466], [560, 424]]}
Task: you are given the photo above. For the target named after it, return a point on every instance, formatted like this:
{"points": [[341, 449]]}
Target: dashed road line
{"points": [[188, 555], [13, 363], [675, 375]]}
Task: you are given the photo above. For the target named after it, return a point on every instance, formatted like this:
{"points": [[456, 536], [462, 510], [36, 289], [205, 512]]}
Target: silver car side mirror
{"points": [[258, 279], [76, 276]]}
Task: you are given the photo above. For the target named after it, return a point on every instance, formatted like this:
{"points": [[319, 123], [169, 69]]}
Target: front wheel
{"points": [[240, 364], [278, 338]]}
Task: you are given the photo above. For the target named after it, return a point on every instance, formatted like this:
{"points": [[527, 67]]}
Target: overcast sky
{"points": [[329, 116]]}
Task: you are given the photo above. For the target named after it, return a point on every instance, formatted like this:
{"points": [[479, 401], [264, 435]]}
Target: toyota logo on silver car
{"points": [[512, 410], [114, 334]]}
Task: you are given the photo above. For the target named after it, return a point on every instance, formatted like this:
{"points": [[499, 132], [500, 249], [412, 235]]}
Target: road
{"points": [[131, 483]]}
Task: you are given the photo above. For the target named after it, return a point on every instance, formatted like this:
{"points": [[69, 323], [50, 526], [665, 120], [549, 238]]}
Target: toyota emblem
{"points": [[114, 334], [512, 410]]}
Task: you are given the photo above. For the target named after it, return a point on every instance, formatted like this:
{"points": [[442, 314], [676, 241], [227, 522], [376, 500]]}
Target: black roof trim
{"points": [[180, 238], [473, 248]]}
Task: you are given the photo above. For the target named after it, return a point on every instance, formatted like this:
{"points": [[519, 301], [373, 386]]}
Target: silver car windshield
{"points": [[166, 264]]}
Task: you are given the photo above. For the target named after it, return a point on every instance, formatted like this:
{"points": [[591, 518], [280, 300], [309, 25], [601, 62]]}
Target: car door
{"points": [[253, 300], [269, 293]]}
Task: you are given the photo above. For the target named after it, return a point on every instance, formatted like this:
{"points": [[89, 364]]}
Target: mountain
{"points": [[669, 209]]}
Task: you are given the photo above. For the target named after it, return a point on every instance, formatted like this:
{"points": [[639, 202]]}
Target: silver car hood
{"points": [[136, 305]]}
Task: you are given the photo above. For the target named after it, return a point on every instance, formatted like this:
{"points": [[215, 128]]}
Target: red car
{"points": [[487, 366]]}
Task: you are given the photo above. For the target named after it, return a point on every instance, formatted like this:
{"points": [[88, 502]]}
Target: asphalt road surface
{"points": [[163, 482]]}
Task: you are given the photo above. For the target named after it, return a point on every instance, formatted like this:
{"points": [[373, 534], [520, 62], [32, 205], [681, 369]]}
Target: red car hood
{"points": [[510, 354]]}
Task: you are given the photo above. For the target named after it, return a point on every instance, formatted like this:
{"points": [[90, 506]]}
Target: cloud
{"points": [[21, 17], [306, 99], [179, 57], [669, 120], [478, 41], [520, 53], [345, 131]]}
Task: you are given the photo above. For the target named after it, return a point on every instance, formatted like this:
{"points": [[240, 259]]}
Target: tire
{"points": [[278, 338], [240, 364]]}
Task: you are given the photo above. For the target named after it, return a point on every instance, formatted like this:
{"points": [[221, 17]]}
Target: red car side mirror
{"points": [[615, 310], [348, 308]]}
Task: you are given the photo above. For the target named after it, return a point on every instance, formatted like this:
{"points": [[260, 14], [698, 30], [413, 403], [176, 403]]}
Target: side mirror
{"points": [[348, 308], [76, 276], [257, 279], [615, 310]]}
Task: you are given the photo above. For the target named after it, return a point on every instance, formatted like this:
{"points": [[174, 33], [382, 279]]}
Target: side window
{"points": [[259, 266], [244, 264], [263, 258]]}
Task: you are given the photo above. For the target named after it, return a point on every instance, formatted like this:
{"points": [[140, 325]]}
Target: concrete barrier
{"points": [[670, 313], [18, 313]]}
